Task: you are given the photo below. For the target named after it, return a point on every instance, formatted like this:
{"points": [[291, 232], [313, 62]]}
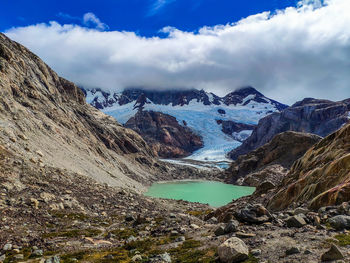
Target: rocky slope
{"points": [[45, 120], [320, 117], [271, 161], [321, 177], [215, 119], [166, 137]]}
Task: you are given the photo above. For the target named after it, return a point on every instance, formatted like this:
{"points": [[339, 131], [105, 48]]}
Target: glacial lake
{"points": [[207, 192]]}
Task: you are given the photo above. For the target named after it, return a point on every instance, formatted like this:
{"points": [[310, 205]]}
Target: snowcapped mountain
{"points": [[207, 114]]}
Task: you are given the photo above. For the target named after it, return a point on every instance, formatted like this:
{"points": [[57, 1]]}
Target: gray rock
{"points": [[180, 239], [2, 258], [131, 239], [333, 253], [233, 250], [300, 210], [256, 214], [54, 259], [136, 258], [232, 226], [18, 256], [38, 252], [212, 220], [129, 218], [162, 258], [256, 252], [7, 247], [295, 221], [172, 215], [340, 222], [219, 231], [292, 251]]}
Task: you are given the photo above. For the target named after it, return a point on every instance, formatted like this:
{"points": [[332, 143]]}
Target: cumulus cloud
{"points": [[298, 52]]}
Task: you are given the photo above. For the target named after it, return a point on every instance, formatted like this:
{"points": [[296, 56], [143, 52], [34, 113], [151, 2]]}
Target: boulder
{"points": [[332, 254], [233, 250], [295, 221], [255, 214], [340, 222]]}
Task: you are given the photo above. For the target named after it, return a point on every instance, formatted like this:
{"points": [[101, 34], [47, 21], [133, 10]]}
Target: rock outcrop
{"points": [[271, 161], [321, 117], [164, 134], [321, 177]]}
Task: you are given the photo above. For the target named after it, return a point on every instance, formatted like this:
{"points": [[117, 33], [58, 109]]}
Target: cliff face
{"points": [[45, 120], [319, 117], [321, 177], [164, 134], [272, 160]]}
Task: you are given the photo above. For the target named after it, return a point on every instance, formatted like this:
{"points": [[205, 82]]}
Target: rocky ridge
{"points": [[321, 117], [270, 162], [321, 177]]}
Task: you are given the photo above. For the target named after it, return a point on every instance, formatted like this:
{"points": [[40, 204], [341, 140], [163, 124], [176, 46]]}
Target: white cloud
{"points": [[158, 5], [92, 19], [295, 53]]}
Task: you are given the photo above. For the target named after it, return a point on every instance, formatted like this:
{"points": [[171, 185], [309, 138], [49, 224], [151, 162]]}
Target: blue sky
{"points": [[286, 49], [146, 17]]}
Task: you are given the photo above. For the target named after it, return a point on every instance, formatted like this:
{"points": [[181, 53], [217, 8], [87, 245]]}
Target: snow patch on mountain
{"points": [[202, 119]]}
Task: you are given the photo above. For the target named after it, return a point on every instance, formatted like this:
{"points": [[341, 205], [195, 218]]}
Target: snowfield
{"points": [[202, 119]]}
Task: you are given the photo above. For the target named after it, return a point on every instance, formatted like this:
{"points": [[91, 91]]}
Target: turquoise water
{"points": [[207, 192]]}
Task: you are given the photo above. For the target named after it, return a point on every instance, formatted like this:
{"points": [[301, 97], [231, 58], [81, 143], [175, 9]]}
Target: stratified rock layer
{"points": [[321, 177]]}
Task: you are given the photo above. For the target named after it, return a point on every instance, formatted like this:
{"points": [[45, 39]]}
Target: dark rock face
{"points": [[320, 117], [271, 160], [230, 127], [164, 134], [321, 177], [179, 97]]}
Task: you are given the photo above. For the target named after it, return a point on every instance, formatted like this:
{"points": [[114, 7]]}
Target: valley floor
{"points": [[51, 215]]}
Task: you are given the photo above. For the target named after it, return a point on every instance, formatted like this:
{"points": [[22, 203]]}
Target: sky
{"points": [[286, 49]]}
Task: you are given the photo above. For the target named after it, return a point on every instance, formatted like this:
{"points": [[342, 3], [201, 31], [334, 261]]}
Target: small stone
{"points": [[131, 239], [232, 226], [295, 221], [245, 235], [165, 258], [174, 233], [19, 256], [136, 258], [129, 218], [219, 231], [307, 252], [233, 250], [7, 247], [256, 252], [54, 259], [292, 251], [212, 221], [180, 239], [333, 253], [2, 258], [300, 210], [194, 226], [172, 215], [38, 253]]}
